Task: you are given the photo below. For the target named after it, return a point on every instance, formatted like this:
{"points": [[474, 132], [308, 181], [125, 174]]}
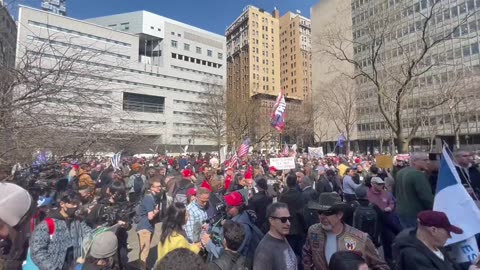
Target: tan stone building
{"points": [[262, 49]]}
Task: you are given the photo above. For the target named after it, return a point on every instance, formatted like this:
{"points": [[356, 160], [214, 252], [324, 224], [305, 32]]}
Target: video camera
{"points": [[112, 214]]}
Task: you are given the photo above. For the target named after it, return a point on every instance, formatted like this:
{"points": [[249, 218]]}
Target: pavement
{"points": [[133, 253]]}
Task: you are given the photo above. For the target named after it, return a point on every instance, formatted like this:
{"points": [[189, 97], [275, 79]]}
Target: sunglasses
{"points": [[283, 219]]}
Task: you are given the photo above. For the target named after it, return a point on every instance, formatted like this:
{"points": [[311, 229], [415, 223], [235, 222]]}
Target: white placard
{"points": [[463, 251], [285, 163]]}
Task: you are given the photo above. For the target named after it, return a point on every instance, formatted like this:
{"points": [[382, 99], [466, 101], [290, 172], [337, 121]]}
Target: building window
{"points": [[186, 47], [143, 103], [174, 43], [124, 26], [220, 55], [199, 50], [209, 52]]}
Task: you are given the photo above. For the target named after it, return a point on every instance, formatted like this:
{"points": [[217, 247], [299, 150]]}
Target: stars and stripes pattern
{"points": [[243, 149], [285, 150], [278, 113]]}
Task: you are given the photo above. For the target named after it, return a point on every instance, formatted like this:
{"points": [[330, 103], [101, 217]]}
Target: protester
{"points": [[274, 252], [56, 242], [332, 235], [197, 215], [181, 259], [236, 211], [258, 204], [469, 172], [182, 186], [293, 199], [102, 253], [234, 235], [347, 260], [16, 206], [136, 183], [148, 212], [421, 248], [349, 185], [83, 175], [413, 190], [173, 236]]}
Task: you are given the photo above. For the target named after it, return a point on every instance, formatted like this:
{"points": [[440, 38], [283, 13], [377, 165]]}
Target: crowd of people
{"points": [[336, 213]]}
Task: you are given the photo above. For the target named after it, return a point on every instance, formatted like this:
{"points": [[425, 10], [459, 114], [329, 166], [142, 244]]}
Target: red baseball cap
{"points": [[191, 192], [273, 168], [187, 173], [438, 220], [234, 199], [248, 175]]}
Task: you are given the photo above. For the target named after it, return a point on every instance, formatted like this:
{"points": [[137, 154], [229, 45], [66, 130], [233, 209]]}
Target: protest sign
{"points": [[284, 163]]}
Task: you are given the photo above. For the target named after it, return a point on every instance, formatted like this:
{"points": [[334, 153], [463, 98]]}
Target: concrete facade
{"points": [[8, 35], [154, 69]]}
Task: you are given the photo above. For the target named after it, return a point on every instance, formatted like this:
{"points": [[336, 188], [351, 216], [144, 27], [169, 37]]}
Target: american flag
{"points": [[278, 114], [243, 149], [285, 150], [233, 161]]}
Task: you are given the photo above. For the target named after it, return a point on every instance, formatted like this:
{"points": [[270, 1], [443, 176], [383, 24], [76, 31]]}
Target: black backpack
{"points": [[366, 219], [236, 263], [180, 193], [138, 184]]}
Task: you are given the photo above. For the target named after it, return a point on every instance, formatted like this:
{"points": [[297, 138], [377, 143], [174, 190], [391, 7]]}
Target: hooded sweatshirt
{"points": [[412, 254]]}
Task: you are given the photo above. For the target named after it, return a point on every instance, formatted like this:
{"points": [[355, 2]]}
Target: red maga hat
{"points": [[234, 199]]}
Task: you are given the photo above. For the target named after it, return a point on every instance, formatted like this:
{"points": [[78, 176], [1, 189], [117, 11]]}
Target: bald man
{"points": [[413, 191]]}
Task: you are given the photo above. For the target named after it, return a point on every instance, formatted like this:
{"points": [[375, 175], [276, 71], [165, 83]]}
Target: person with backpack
{"points": [[332, 235], [236, 211], [233, 234], [147, 216], [136, 183], [56, 243], [182, 186]]}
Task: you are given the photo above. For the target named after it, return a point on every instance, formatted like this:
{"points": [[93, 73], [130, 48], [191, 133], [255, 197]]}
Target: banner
{"points": [[284, 163], [464, 251], [315, 152]]}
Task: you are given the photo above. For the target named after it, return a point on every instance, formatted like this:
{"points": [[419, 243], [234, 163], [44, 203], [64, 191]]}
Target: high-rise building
{"points": [[8, 30], [55, 6], [152, 69], [296, 56], [258, 43]]}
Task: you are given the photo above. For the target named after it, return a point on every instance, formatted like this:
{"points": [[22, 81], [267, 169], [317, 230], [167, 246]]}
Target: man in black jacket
{"points": [[422, 248], [259, 202], [292, 198], [468, 172]]}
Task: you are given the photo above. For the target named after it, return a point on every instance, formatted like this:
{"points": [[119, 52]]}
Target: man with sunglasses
{"points": [[332, 235], [274, 252]]}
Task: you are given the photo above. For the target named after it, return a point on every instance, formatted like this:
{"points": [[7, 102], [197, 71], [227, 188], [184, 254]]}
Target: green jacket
{"points": [[413, 192]]}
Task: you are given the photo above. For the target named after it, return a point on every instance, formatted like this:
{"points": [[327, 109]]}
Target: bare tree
{"points": [[339, 103], [210, 112], [395, 56], [53, 92]]}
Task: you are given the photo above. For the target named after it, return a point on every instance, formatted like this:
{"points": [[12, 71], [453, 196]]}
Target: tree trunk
{"points": [[457, 139], [381, 146], [403, 143]]}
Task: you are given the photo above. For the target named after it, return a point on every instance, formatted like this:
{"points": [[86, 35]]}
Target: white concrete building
{"points": [[155, 68]]}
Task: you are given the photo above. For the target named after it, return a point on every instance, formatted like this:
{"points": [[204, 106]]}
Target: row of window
{"points": [[143, 122], [198, 50], [188, 102], [197, 71], [185, 113], [77, 47], [78, 103], [188, 125], [143, 103], [189, 136], [195, 60], [74, 32], [132, 71]]}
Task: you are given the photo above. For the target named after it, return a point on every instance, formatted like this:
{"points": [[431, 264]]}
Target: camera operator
{"points": [[16, 208], [236, 211], [111, 210]]}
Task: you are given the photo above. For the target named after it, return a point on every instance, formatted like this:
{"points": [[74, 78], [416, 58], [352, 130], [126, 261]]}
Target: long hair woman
{"points": [[173, 236]]}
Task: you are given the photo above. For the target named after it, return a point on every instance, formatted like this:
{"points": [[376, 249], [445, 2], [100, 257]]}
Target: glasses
{"points": [[283, 219]]}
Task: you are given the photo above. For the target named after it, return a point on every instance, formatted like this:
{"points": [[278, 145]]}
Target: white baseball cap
{"points": [[14, 203]]}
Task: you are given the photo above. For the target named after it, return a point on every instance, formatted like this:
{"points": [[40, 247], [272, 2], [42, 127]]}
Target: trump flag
{"points": [[453, 199], [278, 113]]}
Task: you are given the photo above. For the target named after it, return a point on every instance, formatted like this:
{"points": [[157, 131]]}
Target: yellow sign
{"points": [[384, 162]]}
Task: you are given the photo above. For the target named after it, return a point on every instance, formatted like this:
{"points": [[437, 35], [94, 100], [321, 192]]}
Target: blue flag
{"points": [[341, 141]]}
